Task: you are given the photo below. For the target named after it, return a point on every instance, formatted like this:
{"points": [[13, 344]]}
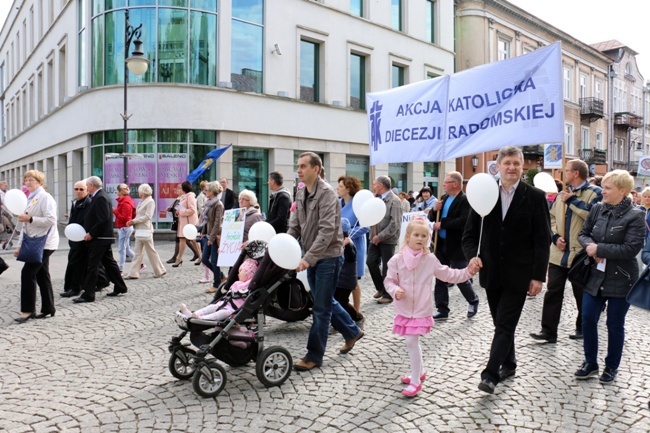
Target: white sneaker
{"points": [[204, 280]]}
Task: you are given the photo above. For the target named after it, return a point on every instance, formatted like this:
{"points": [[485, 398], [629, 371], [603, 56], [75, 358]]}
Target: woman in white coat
{"points": [[39, 219], [144, 235]]}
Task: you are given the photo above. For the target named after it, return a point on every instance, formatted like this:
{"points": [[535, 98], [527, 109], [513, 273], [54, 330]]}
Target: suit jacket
{"points": [[454, 224], [388, 228], [514, 250], [278, 215], [228, 199], [77, 216], [98, 220]]}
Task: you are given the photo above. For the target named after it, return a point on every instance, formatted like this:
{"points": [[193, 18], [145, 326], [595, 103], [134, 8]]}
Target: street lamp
{"points": [[474, 163], [137, 64]]}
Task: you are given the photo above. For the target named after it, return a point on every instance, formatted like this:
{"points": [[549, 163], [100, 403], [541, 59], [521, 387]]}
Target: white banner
{"points": [[644, 166], [552, 156], [513, 102], [232, 235]]}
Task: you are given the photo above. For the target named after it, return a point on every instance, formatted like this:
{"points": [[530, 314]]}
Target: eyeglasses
{"points": [[80, 189], [29, 179]]}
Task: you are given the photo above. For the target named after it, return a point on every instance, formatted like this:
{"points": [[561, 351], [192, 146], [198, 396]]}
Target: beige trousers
{"points": [[142, 246]]}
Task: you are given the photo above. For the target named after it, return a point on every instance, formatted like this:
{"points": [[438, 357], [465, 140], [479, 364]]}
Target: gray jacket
{"points": [[619, 235], [388, 228], [317, 223]]}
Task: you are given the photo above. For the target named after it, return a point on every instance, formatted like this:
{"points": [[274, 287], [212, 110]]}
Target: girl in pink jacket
{"points": [[408, 281]]}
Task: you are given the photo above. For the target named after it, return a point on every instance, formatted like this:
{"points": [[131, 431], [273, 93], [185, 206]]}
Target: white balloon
{"points": [[359, 199], [482, 193], [284, 250], [372, 212], [75, 232], [261, 231], [190, 231], [16, 201], [545, 182]]}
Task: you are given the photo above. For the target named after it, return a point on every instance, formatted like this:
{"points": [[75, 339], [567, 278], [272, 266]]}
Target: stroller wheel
{"points": [[181, 364], [209, 379], [273, 366]]}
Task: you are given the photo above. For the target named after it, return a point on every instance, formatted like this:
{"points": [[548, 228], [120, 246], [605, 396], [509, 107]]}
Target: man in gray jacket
{"points": [[317, 224], [384, 237]]}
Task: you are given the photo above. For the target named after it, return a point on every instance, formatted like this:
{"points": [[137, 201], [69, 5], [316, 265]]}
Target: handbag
{"points": [[32, 248], [174, 226], [580, 268], [143, 234], [639, 294]]}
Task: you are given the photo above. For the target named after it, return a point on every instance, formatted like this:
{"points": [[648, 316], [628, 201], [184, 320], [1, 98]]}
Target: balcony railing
{"points": [[593, 156], [593, 108], [628, 120]]}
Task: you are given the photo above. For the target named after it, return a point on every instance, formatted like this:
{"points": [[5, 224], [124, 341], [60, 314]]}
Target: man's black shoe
{"points": [[81, 300], [70, 294], [577, 335], [506, 372], [544, 336], [487, 385], [115, 293], [440, 316]]}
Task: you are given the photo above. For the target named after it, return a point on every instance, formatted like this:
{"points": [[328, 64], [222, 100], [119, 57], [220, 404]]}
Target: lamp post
{"points": [[137, 64], [474, 163]]}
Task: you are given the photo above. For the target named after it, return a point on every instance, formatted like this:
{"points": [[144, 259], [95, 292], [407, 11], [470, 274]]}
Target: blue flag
{"points": [[210, 158]]}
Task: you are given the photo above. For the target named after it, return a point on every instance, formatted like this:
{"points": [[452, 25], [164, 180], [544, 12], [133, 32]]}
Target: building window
{"points": [[598, 90], [396, 14], [398, 76], [246, 45], [583, 86], [40, 94], [82, 36], [356, 8], [567, 83], [431, 176], [431, 20], [62, 74], [568, 138], [431, 75], [398, 175], [585, 137], [309, 71], [599, 140], [50, 84], [251, 171], [503, 49], [357, 166], [357, 81]]}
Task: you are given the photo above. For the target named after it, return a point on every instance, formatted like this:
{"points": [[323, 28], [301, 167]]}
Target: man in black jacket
{"points": [[454, 210], [514, 251], [227, 195], [78, 254], [98, 223], [279, 203]]}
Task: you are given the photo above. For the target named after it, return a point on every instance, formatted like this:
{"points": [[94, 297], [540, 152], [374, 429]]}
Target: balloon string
{"points": [[479, 238], [352, 233]]}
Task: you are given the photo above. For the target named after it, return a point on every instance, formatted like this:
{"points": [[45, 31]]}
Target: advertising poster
{"points": [[142, 169], [113, 175], [172, 170], [552, 156], [644, 166], [232, 234]]}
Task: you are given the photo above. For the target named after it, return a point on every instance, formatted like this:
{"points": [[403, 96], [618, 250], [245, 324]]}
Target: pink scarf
{"points": [[411, 257]]}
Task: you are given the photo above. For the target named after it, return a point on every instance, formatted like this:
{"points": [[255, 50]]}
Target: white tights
{"points": [[415, 356]]}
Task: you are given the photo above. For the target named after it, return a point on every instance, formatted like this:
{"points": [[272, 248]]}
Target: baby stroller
{"points": [[6, 229], [239, 339]]}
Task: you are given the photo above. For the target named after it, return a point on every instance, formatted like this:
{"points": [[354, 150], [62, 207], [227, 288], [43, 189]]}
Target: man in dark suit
{"points": [[227, 196], [453, 209], [279, 203], [514, 252], [98, 223], [77, 256]]}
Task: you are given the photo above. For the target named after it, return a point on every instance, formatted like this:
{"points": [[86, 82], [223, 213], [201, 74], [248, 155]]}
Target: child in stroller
{"points": [[224, 308]]}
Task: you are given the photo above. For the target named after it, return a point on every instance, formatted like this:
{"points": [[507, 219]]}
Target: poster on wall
{"points": [[141, 169], [644, 166], [172, 170], [232, 235]]}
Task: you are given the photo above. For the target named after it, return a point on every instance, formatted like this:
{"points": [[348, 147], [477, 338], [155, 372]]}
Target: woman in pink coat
{"points": [[409, 279], [187, 214]]}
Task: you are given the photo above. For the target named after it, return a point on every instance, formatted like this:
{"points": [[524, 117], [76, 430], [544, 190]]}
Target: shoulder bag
{"points": [[639, 294], [580, 268], [143, 234], [31, 248]]}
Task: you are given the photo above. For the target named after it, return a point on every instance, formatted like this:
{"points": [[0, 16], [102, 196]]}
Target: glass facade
{"points": [[246, 46], [179, 39], [431, 176], [251, 172], [309, 65], [357, 81], [358, 166], [398, 175], [162, 158]]}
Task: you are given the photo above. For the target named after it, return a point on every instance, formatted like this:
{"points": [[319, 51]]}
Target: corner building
{"points": [[274, 78]]}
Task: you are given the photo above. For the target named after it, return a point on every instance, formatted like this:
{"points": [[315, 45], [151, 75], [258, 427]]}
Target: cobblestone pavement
{"points": [[103, 367]]}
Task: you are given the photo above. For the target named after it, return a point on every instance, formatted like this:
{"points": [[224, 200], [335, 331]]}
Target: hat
{"points": [[249, 267], [345, 225]]}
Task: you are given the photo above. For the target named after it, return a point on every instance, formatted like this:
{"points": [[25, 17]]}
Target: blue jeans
{"points": [[124, 245], [322, 279], [209, 257], [617, 308]]}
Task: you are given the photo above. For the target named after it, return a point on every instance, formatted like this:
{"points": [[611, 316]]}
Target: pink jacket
{"points": [[417, 284]]}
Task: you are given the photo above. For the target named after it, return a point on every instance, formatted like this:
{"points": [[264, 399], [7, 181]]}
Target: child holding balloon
{"points": [[408, 281]]}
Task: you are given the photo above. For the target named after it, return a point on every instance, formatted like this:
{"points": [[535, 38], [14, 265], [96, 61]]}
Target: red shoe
{"points": [[411, 391], [407, 379]]}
